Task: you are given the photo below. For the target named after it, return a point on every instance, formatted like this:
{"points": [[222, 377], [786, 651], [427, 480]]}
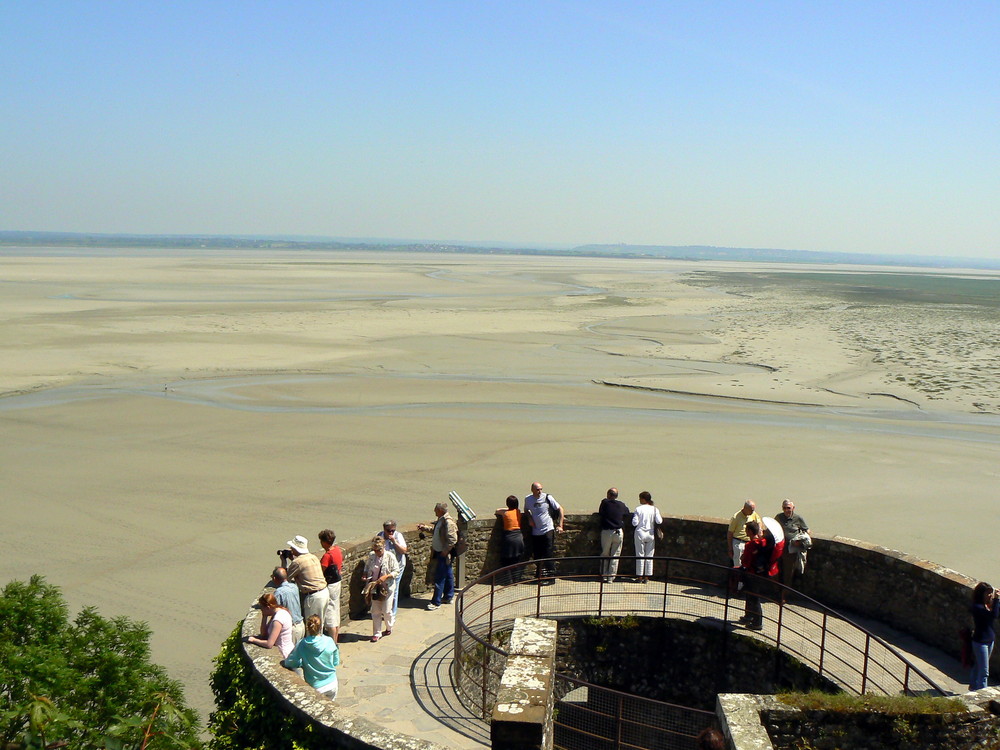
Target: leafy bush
{"points": [[82, 683], [247, 715]]}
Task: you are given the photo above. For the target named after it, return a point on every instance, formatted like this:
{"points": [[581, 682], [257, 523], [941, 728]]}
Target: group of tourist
{"points": [[305, 602], [301, 615], [645, 520]]}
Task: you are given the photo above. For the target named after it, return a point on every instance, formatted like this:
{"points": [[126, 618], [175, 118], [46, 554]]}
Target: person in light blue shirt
{"points": [[287, 594], [318, 656]]}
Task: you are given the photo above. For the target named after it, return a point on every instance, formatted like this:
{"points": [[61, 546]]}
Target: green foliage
{"points": [[247, 716], [87, 683], [872, 703], [625, 622]]}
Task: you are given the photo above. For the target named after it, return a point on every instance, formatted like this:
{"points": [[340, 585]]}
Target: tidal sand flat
{"points": [[170, 419]]}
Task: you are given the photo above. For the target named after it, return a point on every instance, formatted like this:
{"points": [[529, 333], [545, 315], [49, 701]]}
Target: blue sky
{"points": [[845, 126]]}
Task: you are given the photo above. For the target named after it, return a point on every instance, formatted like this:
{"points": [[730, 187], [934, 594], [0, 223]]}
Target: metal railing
{"points": [[591, 716], [831, 644]]}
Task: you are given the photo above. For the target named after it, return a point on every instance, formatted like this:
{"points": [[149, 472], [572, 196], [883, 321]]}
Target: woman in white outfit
{"points": [[381, 568], [645, 518]]}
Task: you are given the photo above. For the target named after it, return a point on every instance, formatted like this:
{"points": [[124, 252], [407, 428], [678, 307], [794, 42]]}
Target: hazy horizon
{"points": [[852, 128], [75, 240]]}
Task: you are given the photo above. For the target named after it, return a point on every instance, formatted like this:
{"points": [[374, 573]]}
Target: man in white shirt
{"points": [[543, 511]]}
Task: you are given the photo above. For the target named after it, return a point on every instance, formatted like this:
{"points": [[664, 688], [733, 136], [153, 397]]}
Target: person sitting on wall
{"points": [[287, 594], [318, 657], [512, 546], [275, 626]]}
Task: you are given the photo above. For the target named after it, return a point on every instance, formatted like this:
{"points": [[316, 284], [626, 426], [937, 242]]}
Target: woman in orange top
{"points": [[512, 548]]}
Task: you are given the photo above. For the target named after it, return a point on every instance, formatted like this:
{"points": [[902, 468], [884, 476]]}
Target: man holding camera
{"points": [[306, 572]]}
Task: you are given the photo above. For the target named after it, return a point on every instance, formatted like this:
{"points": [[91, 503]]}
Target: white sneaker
{"points": [[432, 606]]}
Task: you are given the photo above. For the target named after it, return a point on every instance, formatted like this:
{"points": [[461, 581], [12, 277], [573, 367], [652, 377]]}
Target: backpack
{"points": [[553, 511]]}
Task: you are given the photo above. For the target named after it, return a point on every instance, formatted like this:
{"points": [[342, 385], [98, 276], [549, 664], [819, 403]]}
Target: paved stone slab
{"points": [[404, 680]]}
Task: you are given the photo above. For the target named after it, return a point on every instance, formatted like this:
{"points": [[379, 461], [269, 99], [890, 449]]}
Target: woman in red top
{"points": [[332, 562]]}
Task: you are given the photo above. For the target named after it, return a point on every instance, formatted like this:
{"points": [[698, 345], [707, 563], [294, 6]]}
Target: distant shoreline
{"points": [[49, 240]]}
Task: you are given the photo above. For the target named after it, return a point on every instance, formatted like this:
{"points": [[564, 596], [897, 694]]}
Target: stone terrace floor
{"points": [[404, 681]]}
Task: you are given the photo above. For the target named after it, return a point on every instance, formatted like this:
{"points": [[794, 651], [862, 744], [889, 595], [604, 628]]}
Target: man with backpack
{"points": [[545, 517]]}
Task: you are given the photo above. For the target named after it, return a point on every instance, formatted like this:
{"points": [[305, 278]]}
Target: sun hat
{"points": [[300, 544]]}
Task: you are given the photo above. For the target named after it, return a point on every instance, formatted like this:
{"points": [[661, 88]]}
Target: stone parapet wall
{"points": [[762, 722], [339, 727], [915, 596]]}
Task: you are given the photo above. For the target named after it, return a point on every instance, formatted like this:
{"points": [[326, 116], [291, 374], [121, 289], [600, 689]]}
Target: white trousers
{"points": [[645, 546]]}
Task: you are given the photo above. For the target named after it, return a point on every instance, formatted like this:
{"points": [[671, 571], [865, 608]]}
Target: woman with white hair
{"points": [[380, 569]]}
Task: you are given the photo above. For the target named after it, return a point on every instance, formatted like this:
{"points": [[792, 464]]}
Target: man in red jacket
{"points": [[760, 564]]}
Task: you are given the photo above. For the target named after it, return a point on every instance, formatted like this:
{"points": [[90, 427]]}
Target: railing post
{"points": [[781, 612], [720, 670], [822, 644], [457, 672], [485, 680], [777, 639], [906, 681], [666, 585], [493, 588], [600, 597], [538, 593], [864, 668], [618, 723]]}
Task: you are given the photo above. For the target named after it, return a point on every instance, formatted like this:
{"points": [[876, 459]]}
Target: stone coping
{"points": [[740, 715], [347, 729]]}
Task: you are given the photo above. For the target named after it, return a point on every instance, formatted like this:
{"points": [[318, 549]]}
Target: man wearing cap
{"points": [[287, 594], [306, 572]]}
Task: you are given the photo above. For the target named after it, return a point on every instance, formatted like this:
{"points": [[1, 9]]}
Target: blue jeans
{"points": [[444, 579], [980, 665]]}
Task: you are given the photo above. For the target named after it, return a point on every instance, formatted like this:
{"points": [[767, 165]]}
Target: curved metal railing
{"points": [[831, 644]]}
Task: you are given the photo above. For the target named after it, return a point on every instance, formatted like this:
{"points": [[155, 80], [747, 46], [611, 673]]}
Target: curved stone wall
{"points": [[916, 597]]}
